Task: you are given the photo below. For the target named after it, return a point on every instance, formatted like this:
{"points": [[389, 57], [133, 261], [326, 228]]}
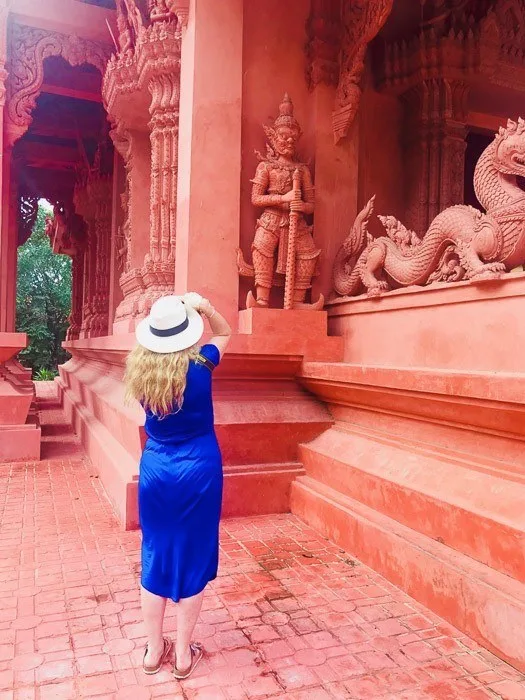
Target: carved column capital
{"points": [[180, 8], [322, 51], [164, 107]]}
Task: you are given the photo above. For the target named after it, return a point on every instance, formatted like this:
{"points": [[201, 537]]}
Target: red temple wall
{"points": [[380, 154]]}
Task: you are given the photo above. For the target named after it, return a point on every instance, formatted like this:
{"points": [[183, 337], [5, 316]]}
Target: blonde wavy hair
{"points": [[158, 380]]}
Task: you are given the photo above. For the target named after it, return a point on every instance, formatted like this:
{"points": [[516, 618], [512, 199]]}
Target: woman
{"points": [[180, 483]]}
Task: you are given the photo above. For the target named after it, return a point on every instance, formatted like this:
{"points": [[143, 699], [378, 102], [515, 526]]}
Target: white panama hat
{"points": [[171, 326]]}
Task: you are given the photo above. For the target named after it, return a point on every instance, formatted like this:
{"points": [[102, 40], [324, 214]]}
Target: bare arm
{"points": [[218, 324]]}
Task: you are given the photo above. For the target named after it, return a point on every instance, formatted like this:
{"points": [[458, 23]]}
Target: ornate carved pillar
{"points": [[99, 191], [146, 72], [77, 288], [10, 220], [118, 240], [6, 324], [431, 75], [84, 206], [164, 112], [23, 50], [66, 231], [460, 48], [435, 140], [133, 146]]}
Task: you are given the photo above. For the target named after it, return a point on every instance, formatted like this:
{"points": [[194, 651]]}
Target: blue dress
{"points": [[180, 492]]}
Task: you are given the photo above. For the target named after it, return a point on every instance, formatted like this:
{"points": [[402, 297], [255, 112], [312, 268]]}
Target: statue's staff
{"points": [[289, 285]]}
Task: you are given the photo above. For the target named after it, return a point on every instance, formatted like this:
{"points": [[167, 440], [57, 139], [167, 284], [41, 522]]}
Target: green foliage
{"points": [[45, 375], [43, 299]]}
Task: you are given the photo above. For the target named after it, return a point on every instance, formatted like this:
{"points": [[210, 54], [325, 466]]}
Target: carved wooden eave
{"points": [[157, 53], [141, 94], [472, 53], [361, 21], [338, 38], [28, 48]]}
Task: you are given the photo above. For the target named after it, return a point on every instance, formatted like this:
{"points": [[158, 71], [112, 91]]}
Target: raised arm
{"points": [[218, 324]]}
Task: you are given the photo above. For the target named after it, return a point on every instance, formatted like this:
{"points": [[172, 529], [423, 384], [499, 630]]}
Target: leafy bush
{"points": [[45, 375], [43, 299]]}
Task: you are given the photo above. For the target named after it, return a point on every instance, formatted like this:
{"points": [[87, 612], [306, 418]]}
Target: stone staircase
{"points": [[423, 479]]}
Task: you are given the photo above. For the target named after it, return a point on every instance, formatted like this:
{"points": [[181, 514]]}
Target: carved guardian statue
{"points": [[283, 189]]}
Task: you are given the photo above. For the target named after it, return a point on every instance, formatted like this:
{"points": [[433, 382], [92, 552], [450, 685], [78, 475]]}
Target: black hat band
{"points": [[169, 332]]}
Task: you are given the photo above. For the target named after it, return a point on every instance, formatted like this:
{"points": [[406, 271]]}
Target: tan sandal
{"points": [[151, 670], [197, 652]]}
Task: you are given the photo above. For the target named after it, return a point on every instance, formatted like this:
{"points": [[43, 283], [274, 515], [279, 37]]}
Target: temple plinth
{"points": [[345, 182], [19, 429]]}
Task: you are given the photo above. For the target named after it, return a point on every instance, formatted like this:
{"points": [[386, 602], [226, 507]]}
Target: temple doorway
{"points": [[43, 298], [477, 142], [62, 166]]}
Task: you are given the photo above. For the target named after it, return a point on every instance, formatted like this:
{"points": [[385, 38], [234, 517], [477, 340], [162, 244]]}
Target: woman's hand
{"points": [[192, 299], [199, 303], [205, 308]]}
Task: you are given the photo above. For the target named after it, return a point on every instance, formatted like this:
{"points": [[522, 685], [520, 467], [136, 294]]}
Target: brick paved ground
{"points": [[290, 616]]}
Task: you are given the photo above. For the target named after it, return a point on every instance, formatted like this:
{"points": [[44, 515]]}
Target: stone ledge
{"points": [[485, 604], [477, 513], [470, 327]]}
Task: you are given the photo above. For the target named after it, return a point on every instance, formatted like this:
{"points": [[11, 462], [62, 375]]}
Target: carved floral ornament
{"points": [[339, 31], [28, 48]]}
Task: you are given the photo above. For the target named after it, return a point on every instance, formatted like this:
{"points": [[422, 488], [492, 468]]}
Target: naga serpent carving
{"points": [[461, 242]]}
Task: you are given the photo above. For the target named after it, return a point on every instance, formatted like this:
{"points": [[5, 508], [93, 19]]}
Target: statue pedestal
{"points": [[262, 414], [301, 332], [19, 431]]}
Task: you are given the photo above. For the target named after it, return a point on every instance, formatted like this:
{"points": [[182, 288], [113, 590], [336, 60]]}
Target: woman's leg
{"points": [[153, 607], [188, 610]]}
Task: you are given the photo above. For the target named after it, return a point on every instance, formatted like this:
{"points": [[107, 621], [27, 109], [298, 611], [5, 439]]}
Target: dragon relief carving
{"points": [[461, 242]]}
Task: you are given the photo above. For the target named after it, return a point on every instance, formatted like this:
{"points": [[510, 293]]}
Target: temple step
{"points": [[474, 512], [485, 604], [259, 426], [258, 489]]}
